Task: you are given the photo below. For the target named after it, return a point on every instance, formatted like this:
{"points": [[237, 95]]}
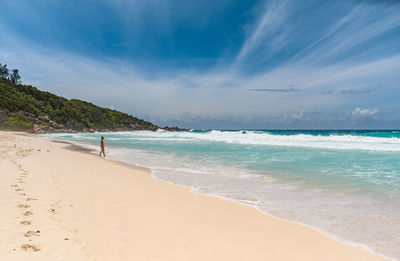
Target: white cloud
{"points": [[273, 17], [215, 92], [299, 115], [364, 113]]}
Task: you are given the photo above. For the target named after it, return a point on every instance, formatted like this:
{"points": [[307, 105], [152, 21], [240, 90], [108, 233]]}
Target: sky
{"points": [[227, 64]]}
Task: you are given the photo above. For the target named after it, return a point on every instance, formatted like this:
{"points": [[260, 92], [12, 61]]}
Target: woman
{"points": [[102, 146]]}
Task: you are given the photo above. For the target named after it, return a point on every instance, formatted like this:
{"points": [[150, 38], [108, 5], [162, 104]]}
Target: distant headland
{"points": [[25, 108]]}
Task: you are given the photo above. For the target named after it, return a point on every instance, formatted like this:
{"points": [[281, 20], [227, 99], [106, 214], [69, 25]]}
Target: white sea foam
{"points": [[341, 142]]}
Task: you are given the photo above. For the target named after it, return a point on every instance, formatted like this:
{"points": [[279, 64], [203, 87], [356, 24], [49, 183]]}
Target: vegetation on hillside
{"points": [[24, 107]]}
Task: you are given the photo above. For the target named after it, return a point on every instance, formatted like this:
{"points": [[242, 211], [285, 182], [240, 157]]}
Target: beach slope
{"points": [[60, 204]]}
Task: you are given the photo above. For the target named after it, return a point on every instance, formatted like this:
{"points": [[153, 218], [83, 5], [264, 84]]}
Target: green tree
{"points": [[3, 71], [14, 77]]}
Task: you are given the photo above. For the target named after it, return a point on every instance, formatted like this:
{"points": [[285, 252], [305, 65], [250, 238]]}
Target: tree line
{"points": [[14, 77]]}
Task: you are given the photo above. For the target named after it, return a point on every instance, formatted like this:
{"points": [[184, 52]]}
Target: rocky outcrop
{"points": [[175, 128]]}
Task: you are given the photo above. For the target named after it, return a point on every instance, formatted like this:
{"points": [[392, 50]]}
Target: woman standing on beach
{"points": [[102, 146]]}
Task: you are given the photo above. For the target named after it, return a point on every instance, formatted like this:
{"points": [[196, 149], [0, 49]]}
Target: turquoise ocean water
{"points": [[344, 183]]}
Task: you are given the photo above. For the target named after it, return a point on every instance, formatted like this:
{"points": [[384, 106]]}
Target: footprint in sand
{"points": [[22, 194], [52, 210], [23, 206], [29, 247], [30, 199], [27, 213], [26, 222], [19, 189], [32, 233], [14, 186]]}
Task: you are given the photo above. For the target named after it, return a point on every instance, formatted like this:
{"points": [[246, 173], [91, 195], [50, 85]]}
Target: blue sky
{"points": [[215, 64]]}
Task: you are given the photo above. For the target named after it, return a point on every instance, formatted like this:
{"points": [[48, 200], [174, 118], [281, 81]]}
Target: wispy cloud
{"points": [[274, 90], [348, 92], [266, 26], [361, 25], [313, 72]]}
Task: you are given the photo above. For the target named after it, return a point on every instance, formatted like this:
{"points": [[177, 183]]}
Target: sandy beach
{"points": [[62, 204]]}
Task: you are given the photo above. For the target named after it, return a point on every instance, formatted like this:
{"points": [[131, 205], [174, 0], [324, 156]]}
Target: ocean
{"points": [[343, 183]]}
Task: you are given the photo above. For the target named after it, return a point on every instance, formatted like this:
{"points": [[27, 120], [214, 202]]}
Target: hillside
{"points": [[25, 108]]}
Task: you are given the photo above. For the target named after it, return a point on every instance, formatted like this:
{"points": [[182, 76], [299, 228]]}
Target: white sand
{"points": [[84, 207]]}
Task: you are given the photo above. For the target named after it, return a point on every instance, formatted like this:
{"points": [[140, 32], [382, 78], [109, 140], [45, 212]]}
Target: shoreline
{"points": [[226, 216], [82, 149]]}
